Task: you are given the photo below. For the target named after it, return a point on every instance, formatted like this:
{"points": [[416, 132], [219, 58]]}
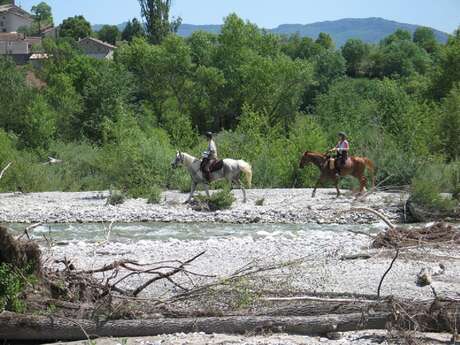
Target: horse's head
{"points": [[178, 160], [306, 159]]}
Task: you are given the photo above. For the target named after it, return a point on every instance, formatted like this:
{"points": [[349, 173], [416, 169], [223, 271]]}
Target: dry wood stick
{"points": [[5, 169], [386, 272]]}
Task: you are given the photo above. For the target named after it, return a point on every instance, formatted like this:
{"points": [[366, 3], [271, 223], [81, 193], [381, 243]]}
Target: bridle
{"points": [[179, 159]]}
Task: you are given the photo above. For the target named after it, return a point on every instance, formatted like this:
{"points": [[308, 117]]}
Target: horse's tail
{"points": [[247, 170], [371, 168]]}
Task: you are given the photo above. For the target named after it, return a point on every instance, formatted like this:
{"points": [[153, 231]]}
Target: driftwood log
{"points": [[338, 316], [46, 328]]}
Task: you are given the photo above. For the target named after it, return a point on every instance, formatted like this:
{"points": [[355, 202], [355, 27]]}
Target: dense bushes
{"points": [[118, 123], [437, 187]]}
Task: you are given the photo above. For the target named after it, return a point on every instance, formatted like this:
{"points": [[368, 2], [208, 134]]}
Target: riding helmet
{"points": [[343, 134], [209, 135]]}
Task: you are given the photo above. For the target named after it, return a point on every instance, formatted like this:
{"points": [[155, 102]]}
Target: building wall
{"points": [[95, 49], [3, 23], [13, 21], [13, 47], [97, 56]]}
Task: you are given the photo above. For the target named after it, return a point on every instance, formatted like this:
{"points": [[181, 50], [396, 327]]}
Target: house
{"points": [[12, 44], [13, 17], [51, 32], [96, 48], [17, 46]]}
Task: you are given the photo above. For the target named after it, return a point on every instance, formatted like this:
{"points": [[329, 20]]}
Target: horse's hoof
{"points": [[186, 202]]}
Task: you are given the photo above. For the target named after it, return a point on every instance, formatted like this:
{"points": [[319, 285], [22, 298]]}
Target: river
{"points": [[129, 232]]}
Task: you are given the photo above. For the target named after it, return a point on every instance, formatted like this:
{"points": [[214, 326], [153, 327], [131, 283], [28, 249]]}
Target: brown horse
{"points": [[355, 166]]}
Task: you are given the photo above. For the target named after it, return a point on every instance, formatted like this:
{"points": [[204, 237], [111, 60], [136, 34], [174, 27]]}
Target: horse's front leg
{"points": [[192, 191], [240, 185], [206, 189], [318, 184], [337, 186]]}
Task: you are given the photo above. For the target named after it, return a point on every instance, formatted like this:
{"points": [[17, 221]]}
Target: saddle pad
{"points": [[348, 163], [216, 165], [332, 163]]}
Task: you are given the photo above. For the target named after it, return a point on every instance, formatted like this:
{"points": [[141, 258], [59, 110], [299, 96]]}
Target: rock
{"points": [[334, 335]]}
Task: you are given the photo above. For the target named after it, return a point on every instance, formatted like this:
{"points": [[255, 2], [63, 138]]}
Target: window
{"points": [[1, 23]]}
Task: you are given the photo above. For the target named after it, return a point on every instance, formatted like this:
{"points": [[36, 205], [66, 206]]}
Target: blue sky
{"points": [[440, 14]]}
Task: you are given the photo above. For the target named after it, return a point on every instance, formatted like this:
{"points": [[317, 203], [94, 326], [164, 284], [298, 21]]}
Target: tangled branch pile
{"points": [[21, 254], [434, 234]]}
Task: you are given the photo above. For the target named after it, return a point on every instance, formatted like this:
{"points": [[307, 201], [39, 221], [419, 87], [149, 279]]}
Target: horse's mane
{"points": [[315, 154]]}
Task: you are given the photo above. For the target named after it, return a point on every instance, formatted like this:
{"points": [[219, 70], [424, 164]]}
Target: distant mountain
{"points": [[370, 30], [97, 27]]}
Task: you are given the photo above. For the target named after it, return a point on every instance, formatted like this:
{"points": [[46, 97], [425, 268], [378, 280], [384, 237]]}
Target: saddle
{"points": [[331, 163], [216, 165]]}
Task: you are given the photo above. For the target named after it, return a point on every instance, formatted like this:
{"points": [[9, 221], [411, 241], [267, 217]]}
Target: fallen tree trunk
{"points": [[46, 328], [431, 316]]}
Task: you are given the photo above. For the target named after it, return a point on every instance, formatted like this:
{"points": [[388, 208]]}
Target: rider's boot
{"points": [[337, 172], [208, 175]]}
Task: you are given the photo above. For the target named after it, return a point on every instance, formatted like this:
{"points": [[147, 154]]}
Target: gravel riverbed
{"points": [[279, 206], [321, 248]]}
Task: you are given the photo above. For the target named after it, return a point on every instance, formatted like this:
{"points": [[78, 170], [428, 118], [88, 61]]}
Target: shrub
{"points": [[221, 200], [154, 195], [136, 160], [116, 198], [260, 202], [185, 186], [12, 285], [436, 187]]}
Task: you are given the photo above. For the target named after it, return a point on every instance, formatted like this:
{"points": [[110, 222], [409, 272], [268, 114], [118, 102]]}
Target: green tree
{"points": [[425, 38], [158, 23], [449, 130], [109, 34], [106, 91], [356, 53], [397, 36], [447, 71], [203, 47], [33, 121], [400, 58], [298, 47], [329, 66], [75, 27], [206, 101], [66, 102], [42, 15], [133, 29], [325, 40]]}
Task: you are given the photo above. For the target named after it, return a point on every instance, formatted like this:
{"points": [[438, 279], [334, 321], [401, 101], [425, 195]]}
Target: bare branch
{"points": [[386, 272], [370, 210], [5, 169]]}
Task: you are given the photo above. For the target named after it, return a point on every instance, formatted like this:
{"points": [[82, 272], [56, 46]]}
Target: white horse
{"points": [[231, 171]]}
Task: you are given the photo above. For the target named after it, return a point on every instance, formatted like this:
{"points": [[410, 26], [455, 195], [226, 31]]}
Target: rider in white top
{"points": [[209, 156], [342, 149]]}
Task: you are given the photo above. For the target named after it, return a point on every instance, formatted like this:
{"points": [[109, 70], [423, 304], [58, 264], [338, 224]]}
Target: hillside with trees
{"points": [[269, 97], [369, 30]]}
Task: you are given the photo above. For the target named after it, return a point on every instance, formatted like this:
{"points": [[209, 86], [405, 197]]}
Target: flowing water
{"points": [[183, 232]]}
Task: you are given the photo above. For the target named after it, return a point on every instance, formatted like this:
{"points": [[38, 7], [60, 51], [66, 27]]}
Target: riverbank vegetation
{"points": [[117, 124]]}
